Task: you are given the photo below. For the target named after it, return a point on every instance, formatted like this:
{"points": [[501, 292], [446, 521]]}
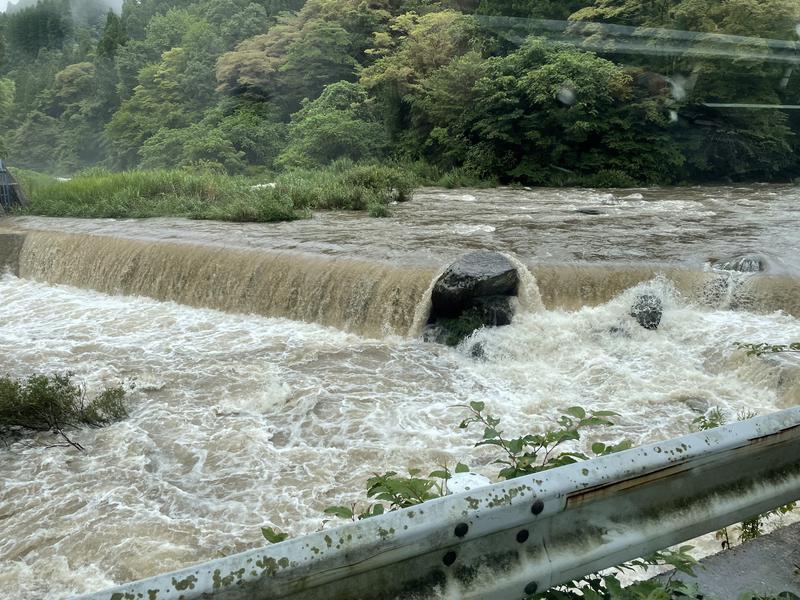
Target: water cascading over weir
{"points": [[368, 297]]}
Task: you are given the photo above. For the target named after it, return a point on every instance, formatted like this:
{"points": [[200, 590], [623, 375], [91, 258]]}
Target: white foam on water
{"points": [[239, 422], [599, 357], [464, 229]]}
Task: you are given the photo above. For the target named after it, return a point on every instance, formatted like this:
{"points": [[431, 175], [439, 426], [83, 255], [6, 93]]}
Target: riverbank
{"points": [[176, 193], [293, 194]]}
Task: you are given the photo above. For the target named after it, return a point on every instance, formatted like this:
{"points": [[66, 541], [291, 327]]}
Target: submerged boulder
{"points": [[495, 311], [647, 309], [475, 275], [492, 311], [478, 351], [474, 292]]}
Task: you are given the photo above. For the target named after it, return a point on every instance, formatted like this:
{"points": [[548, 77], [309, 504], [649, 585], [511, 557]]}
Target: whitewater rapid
{"points": [[242, 421]]}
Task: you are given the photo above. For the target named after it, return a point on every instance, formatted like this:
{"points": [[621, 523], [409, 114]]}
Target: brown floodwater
{"points": [[278, 366], [682, 226]]}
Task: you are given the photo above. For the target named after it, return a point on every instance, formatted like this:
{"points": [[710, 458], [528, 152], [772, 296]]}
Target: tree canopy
{"points": [[594, 92]]}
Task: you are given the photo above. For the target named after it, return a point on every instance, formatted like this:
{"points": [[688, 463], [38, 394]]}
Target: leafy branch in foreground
{"points": [[535, 452], [393, 491], [609, 587], [521, 456], [55, 403]]}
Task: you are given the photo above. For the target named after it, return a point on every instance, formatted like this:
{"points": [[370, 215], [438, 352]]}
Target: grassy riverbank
{"points": [[160, 193], [292, 194]]}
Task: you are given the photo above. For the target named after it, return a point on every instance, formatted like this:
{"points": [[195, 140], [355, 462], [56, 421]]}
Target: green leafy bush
{"points": [[533, 453], [55, 403]]}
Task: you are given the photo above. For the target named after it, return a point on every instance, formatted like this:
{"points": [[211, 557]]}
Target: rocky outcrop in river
{"points": [[475, 291]]}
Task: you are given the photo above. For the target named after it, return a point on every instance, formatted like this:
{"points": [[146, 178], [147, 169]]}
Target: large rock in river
{"points": [[475, 275], [475, 291]]}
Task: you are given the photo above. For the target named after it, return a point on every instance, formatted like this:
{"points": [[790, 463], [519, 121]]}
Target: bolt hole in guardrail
{"points": [[537, 507], [522, 536], [449, 558], [461, 530], [531, 588]]}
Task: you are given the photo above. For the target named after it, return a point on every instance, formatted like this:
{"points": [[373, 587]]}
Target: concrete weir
{"points": [[373, 298], [370, 298]]}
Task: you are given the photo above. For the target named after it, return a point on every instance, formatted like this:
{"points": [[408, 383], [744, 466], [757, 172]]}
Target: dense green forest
{"points": [[616, 92]]}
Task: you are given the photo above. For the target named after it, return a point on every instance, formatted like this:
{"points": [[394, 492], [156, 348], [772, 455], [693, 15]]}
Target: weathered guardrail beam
{"points": [[514, 538]]}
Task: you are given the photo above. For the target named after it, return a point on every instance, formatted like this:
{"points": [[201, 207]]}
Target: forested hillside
{"points": [[536, 91]]}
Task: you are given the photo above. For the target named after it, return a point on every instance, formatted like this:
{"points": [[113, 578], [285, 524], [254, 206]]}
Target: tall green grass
{"points": [[454, 177], [293, 194], [31, 181]]}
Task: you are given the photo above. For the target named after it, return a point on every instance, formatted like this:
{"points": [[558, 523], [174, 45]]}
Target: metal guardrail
{"points": [[10, 192], [514, 538]]}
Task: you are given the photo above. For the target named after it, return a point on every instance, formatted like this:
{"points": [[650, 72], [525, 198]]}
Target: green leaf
{"points": [[623, 445], [339, 511], [576, 411], [462, 468], [598, 447], [477, 406], [591, 421], [442, 474], [515, 446], [273, 536], [490, 433], [566, 435], [604, 413]]}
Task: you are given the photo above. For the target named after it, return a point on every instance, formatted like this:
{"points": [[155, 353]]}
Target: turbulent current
{"points": [[277, 367]]}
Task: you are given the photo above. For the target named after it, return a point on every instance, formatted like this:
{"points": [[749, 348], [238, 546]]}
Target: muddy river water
{"points": [[276, 367]]}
